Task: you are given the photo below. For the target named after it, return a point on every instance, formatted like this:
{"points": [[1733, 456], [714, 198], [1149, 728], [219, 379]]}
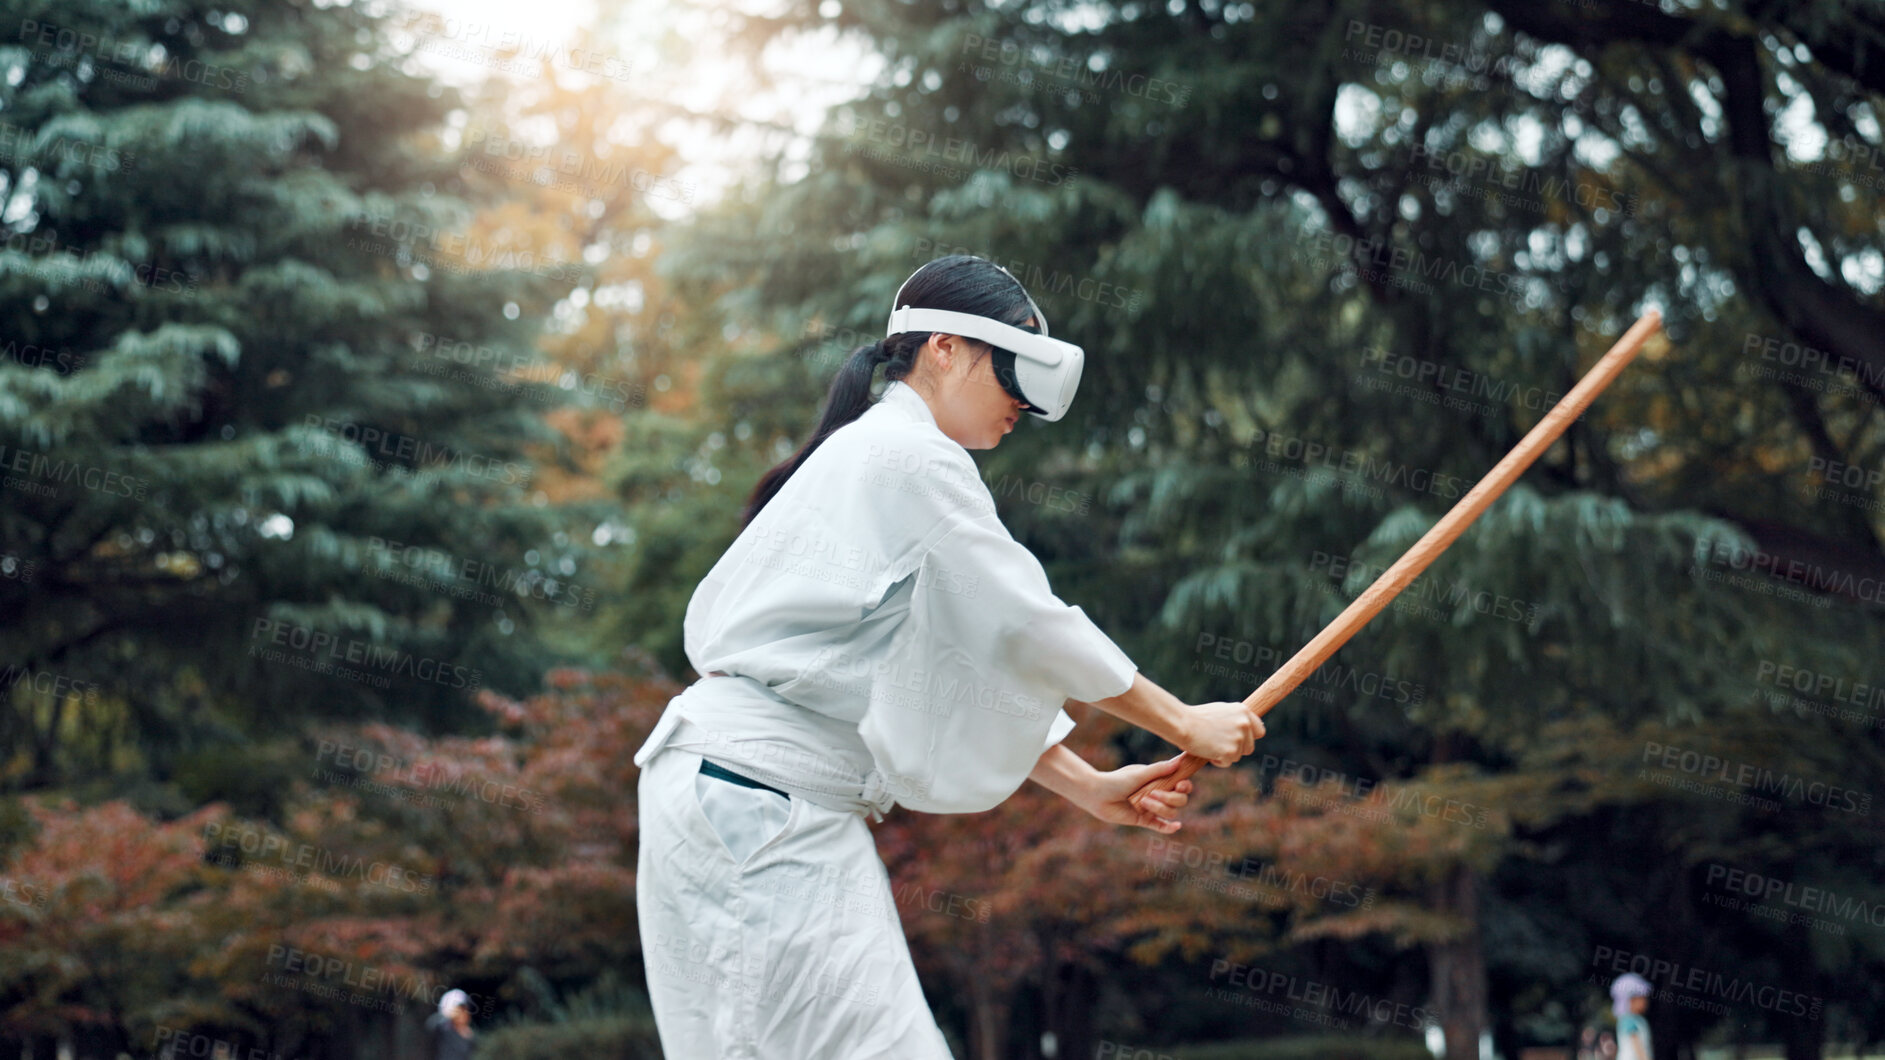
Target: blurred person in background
{"points": [[1629, 996], [450, 1027]]}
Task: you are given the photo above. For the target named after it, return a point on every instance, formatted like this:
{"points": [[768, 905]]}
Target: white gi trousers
{"points": [[768, 927]]}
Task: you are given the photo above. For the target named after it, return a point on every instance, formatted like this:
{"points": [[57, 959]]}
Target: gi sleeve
{"points": [[969, 694]]}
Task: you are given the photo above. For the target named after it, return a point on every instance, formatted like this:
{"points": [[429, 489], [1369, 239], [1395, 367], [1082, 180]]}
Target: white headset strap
{"points": [[1040, 318], [1021, 343]]}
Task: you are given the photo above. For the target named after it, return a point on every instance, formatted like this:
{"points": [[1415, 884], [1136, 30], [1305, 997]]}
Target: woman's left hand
{"points": [[1107, 797]]}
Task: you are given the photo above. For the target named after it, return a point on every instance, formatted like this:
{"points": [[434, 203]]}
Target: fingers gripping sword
{"points": [[1433, 542]]}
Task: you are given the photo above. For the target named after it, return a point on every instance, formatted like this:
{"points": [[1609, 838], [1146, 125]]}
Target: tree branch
{"points": [[1823, 314]]}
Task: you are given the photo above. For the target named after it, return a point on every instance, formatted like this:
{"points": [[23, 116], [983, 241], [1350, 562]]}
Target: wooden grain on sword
{"points": [[1434, 541]]}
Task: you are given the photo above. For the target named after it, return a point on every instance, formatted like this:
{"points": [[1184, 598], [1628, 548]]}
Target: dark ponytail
{"points": [[961, 282]]}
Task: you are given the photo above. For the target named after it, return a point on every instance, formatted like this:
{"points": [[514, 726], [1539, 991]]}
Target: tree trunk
{"points": [[988, 1021], [1068, 992], [1805, 1035], [1459, 968]]}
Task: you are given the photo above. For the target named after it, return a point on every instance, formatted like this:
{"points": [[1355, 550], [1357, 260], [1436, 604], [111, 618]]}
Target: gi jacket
{"points": [[878, 616]]}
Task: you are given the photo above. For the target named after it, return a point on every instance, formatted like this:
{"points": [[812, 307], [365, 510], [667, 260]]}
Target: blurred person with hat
{"points": [[450, 1027], [1629, 995]]}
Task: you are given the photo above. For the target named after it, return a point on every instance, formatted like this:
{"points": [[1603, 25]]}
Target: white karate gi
{"points": [[883, 640]]}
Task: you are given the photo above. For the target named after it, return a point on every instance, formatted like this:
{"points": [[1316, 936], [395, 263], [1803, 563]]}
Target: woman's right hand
{"points": [[1221, 732]]}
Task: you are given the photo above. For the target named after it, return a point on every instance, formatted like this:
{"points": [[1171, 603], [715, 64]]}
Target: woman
{"points": [[873, 636]]}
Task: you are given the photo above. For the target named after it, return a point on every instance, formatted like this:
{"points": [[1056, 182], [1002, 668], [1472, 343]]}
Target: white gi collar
{"points": [[902, 395]]}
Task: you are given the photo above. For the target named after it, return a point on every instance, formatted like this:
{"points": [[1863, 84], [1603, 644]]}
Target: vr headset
{"points": [[1039, 372]]}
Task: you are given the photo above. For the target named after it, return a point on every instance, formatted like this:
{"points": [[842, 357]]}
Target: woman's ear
{"points": [[948, 350]]}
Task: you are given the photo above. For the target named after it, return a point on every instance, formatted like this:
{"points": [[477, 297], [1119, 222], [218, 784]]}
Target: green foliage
{"points": [[603, 1038], [1255, 455], [605, 1019], [253, 780], [1307, 1048], [203, 294], [222, 408]]}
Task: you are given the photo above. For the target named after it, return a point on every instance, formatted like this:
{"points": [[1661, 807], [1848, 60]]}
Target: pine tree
{"points": [[268, 456]]}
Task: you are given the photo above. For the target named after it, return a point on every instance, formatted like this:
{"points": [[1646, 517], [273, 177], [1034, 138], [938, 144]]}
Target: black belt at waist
{"points": [[720, 772]]}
